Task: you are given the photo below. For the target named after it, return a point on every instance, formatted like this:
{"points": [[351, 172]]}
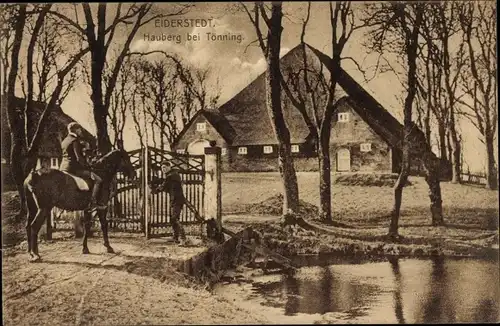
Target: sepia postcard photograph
{"points": [[235, 163]]}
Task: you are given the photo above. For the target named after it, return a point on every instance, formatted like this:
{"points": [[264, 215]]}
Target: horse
{"points": [[47, 188]]}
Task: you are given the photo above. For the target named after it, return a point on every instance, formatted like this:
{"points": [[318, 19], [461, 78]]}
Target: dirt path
{"points": [[138, 285]]}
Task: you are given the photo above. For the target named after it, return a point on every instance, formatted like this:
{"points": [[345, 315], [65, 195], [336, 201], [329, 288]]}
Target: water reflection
{"points": [[435, 290], [398, 301], [319, 293]]}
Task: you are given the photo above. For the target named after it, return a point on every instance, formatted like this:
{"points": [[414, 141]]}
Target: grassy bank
{"points": [[470, 213]]}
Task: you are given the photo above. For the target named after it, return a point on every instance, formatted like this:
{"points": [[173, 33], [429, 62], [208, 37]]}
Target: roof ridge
{"points": [[261, 74]]}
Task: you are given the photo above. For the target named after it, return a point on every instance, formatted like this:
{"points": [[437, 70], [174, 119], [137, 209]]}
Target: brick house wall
{"points": [[255, 160], [345, 135], [350, 135]]}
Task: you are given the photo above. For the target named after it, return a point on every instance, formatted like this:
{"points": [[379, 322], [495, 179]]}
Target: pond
{"points": [[438, 290]]}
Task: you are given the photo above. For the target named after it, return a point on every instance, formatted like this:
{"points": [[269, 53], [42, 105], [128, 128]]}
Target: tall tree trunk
{"points": [[432, 177], [442, 140], [427, 124], [103, 141], [325, 191], [398, 188], [98, 55], [449, 146], [411, 55], [14, 113], [456, 150], [273, 100], [492, 172]]}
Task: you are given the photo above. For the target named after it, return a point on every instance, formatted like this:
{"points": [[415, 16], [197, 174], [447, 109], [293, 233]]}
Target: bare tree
{"points": [[120, 104], [100, 37], [396, 27], [138, 101], [163, 94], [452, 65], [14, 115], [24, 149], [313, 92], [479, 98], [171, 93], [270, 47], [196, 95], [443, 66]]}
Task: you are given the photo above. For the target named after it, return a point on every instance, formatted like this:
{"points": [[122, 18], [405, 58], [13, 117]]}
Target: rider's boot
{"points": [[94, 205]]}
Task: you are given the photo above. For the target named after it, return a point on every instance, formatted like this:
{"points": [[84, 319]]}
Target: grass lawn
{"points": [[463, 205], [470, 213]]}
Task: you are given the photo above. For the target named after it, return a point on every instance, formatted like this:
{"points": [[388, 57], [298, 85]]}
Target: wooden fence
{"points": [[474, 178], [134, 209]]}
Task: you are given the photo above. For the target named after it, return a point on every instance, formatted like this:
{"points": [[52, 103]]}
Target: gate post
{"points": [[213, 193], [145, 191]]}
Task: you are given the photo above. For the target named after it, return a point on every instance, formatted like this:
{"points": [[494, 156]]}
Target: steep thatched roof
{"points": [[52, 134], [247, 111], [371, 111], [244, 119], [221, 124]]}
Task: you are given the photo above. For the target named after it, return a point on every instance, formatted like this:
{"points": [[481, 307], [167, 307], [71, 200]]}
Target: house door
{"points": [[343, 160]]}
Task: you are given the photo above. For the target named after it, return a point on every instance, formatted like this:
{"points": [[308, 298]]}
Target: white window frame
{"points": [[223, 151], [343, 117], [201, 126], [365, 147], [54, 162], [181, 151], [268, 149], [242, 150], [295, 148]]}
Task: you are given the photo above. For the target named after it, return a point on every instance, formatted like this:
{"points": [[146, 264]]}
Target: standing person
{"points": [[172, 184], [74, 162]]}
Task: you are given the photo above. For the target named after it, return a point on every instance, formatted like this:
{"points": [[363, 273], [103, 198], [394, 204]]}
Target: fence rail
{"points": [[474, 178]]}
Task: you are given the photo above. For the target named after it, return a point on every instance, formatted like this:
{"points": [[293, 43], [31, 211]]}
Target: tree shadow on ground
{"points": [[158, 268]]}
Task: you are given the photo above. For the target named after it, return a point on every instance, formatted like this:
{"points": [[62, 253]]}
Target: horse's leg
{"points": [[36, 224], [31, 213], [104, 227], [86, 231]]}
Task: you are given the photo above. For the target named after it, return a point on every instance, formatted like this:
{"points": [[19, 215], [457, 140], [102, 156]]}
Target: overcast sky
{"points": [[235, 64]]}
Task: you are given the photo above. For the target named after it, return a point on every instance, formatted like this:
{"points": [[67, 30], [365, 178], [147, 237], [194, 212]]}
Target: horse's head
{"points": [[125, 165], [117, 160]]}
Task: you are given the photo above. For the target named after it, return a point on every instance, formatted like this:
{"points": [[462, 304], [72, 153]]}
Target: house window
{"points": [[242, 150], [268, 149], [295, 148], [365, 147], [223, 151], [54, 162], [181, 151], [202, 126], [343, 117]]}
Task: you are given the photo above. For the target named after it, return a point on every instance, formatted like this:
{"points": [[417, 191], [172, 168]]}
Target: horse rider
{"points": [[74, 162], [172, 184]]}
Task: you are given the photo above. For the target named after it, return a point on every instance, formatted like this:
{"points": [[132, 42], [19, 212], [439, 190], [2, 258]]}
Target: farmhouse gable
{"points": [[206, 125]]}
